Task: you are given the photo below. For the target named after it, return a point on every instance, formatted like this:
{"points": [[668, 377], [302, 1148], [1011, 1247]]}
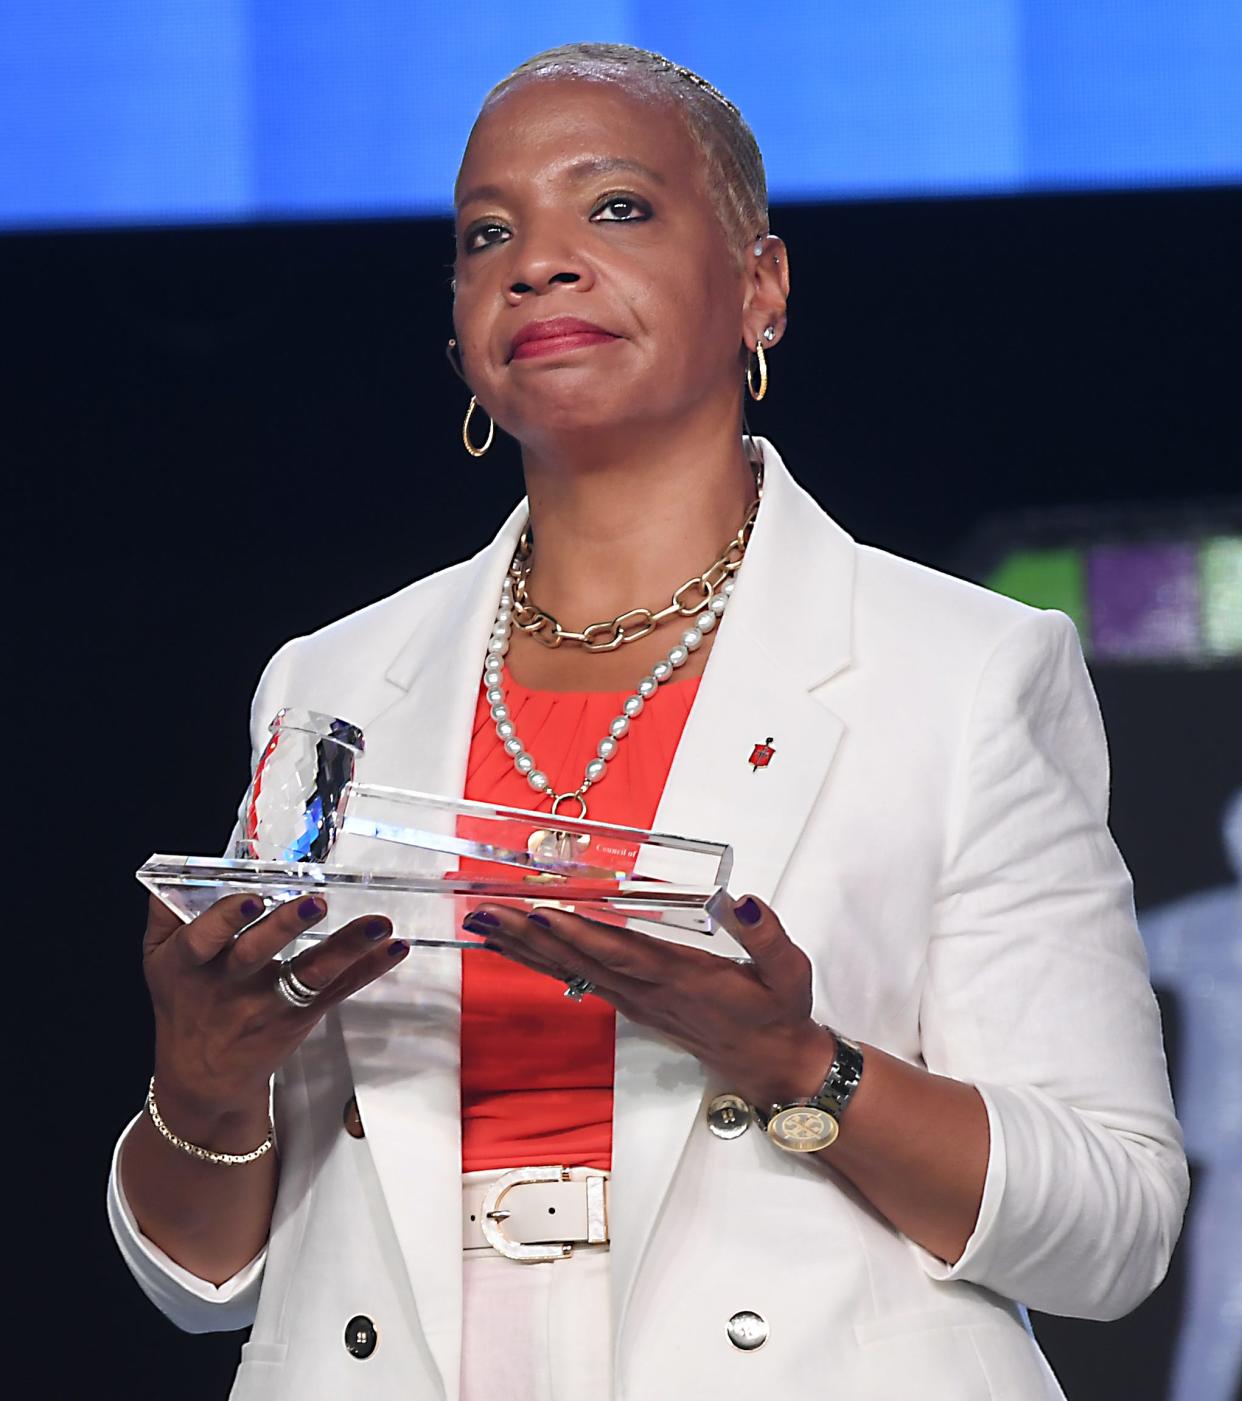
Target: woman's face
{"points": [[577, 199]]}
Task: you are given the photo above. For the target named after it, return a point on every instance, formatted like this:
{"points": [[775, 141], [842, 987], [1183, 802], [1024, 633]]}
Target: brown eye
{"points": [[483, 236], [621, 209]]}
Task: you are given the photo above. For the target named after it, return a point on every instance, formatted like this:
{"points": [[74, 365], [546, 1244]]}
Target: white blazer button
{"points": [[728, 1116], [361, 1336], [748, 1330]]}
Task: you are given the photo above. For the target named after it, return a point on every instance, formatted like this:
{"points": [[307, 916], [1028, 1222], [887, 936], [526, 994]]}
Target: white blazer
{"points": [[932, 831]]}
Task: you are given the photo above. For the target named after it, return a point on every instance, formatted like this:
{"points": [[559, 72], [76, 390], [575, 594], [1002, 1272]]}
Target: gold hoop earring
{"points": [[757, 394], [465, 430]]}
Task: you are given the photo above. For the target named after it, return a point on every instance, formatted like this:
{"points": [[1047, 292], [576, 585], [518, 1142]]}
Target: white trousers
{"points": [[535, 1332]]}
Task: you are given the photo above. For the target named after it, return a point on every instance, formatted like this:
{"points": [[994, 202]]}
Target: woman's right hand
{"points": [[221, 1028]]}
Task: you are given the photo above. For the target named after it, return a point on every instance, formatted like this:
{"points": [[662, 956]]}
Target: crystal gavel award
{"points": [[307, 825]]}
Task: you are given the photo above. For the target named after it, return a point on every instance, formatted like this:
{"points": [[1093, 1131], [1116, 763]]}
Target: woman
{"points": [[953, 990]]}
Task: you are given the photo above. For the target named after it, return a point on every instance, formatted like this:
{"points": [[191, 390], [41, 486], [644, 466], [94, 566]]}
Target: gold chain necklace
{"points": [[691, 598], [716, 585]]}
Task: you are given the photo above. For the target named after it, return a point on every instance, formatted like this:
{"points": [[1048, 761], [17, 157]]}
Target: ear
{"points": [[767, 290], [452, 353]]}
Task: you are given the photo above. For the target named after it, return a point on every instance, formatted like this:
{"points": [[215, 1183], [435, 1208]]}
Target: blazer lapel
{"points": [[421, 741], [766, 663]]}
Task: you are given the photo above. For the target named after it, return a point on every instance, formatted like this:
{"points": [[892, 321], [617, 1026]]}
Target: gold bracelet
{"points": [[206, 1155]]}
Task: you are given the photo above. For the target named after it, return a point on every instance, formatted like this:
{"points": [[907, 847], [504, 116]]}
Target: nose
{"points": [[544, 259], [542, 284]]}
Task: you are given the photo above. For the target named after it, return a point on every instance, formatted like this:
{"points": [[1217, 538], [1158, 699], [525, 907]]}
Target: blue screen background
{"points": [[188, 111]]}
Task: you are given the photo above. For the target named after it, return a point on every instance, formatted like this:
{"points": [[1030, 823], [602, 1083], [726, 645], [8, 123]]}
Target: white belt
{"points": [[536, 1213]]}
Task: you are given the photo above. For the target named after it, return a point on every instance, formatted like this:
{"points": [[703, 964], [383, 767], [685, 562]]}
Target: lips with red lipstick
{"points": [[555, 336]]}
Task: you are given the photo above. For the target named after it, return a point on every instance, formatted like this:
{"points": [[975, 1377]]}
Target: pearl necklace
{"points": [[631, 709]]}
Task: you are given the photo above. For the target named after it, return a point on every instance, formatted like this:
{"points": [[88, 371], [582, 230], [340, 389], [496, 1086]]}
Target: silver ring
{"points": [[576, 988], [292, 988]]}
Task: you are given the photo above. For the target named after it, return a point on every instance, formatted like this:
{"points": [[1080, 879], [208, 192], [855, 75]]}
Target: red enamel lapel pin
{"points": [[761, 755]]}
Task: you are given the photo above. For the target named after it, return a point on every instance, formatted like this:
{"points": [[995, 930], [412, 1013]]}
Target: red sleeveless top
{"points": [[536, 1069]]}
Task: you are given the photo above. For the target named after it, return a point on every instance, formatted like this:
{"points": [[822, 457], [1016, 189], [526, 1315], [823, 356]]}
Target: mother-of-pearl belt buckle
{"points": [[518, 1226]]}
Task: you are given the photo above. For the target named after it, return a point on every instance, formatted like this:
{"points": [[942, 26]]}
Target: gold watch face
{"points": [[802, 1128]]}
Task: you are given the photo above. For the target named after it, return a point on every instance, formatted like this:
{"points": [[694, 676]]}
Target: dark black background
{"points": [[218, 438]]}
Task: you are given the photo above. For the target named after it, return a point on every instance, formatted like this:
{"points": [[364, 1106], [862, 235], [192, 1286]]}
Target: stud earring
{"points": [[452, 353], [769, 334], [759, 249]]}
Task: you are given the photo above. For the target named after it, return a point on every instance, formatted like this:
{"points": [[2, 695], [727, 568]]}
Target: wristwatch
{"points": [[807, 1125]]}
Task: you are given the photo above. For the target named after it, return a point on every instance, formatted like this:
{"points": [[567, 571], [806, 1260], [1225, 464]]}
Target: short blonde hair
{"points": [[735, 177]]}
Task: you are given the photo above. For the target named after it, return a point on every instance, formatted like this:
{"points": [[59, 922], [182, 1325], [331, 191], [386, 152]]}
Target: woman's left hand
{"points": [[749, 1023], [917, 1145]]}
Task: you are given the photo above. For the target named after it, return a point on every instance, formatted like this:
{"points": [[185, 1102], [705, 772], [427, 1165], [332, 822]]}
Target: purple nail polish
{"points": [[310, 908], [251, 908], [541, 920], [748, 911], [377, 928], [483, 917], [397, 948]]}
